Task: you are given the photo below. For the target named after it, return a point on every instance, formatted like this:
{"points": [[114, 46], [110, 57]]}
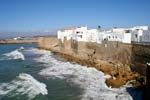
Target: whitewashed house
{"points": [[92, 35], [141, 34], [80, 34], [114, 36], [124, 35], [137, 35], [140, 28], [118, 34], [126, 38], [65, 33], [146, 36], [85, 35]]}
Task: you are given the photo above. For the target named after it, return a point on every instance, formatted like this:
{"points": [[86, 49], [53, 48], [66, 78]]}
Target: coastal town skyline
{"points": [[74, 49], [37, 15]]}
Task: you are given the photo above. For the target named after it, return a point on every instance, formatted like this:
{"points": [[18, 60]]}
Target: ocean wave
{"points": [[90, 80], [16, 54], [24, 84], [44, 56]]}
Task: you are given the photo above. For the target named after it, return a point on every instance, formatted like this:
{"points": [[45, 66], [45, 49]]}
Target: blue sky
{"points": [[34, 15]]}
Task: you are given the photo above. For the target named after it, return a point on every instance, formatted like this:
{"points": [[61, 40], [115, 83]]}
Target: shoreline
{"points": [[120, 73], [119, 77]]}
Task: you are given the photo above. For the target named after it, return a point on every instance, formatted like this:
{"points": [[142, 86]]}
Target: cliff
{"points": [[112, 58], [123, 62]]}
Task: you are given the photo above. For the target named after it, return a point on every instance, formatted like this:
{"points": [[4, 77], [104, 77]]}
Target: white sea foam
{"points": [[45, 56], [21, 48], [16, 54], [24, 84], [89, 79]]}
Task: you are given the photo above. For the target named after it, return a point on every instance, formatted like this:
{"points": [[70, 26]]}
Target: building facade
{"points": [[137, 34]]}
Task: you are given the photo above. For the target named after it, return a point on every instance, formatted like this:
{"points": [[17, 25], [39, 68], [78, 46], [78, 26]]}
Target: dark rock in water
{"points": [[146, 92]]}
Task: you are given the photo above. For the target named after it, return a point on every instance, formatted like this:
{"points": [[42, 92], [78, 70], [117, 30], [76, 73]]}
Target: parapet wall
{"points": [[47, 42]]}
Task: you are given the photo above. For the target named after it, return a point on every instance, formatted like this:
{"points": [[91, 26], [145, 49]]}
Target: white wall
{"points": [[62, 34], [92, 35], [81, 33], [127, 38], [115, 36], [119, 30], [137, 35], [146, 36], [140, 28]]}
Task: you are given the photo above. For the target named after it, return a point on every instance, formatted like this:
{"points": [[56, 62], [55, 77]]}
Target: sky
{"points": [[39, 15]]}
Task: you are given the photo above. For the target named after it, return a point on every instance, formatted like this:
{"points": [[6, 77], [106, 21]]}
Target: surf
{"points": [[90, 80], [15, 54], [24, 84]]}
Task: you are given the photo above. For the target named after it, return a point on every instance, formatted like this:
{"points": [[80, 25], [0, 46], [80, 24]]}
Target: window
{"points": [[136, 35], [80, 36]]}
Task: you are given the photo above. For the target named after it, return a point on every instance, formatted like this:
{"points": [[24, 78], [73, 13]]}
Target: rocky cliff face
{"points": [[110, 57], [139, 57]]}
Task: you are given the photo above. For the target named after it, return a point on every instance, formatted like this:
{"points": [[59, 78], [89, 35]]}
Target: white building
{"points": [[124, 35], [92, 35], [126, 38], [120, 30], [137, 35], [65, 33], [119, 34], [80, 34], [140, 28], [146, 36], [141, 34]]}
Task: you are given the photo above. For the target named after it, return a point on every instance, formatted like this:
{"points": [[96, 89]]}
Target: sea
{"points": [[27, 73]]}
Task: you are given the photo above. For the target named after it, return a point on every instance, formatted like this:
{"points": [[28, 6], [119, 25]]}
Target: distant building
{"points": [[146, 36], [141, 34], [124, 35], [81, 34], [140, 28], [65, 33]]}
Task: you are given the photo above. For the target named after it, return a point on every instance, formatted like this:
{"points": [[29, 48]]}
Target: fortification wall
{"points": [[134, 55], [140, 56], [114, 58], [47, 42]]}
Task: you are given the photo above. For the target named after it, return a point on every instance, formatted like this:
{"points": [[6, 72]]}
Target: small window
{"points": [[136, 36], [80, 36]]}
